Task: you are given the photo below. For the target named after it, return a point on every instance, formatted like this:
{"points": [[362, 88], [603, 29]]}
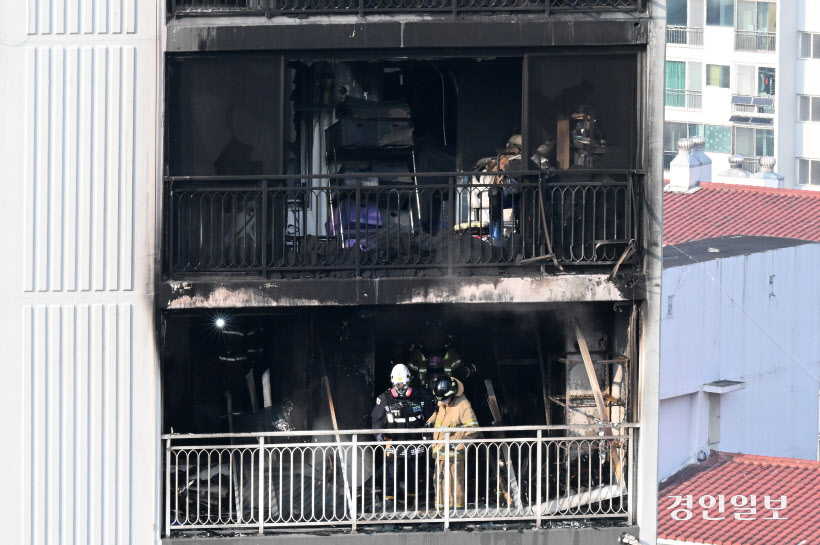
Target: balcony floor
{"points": [[563, 533]]}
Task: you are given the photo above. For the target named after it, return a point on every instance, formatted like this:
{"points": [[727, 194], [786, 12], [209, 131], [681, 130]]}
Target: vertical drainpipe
{"points": [[652, 219]]}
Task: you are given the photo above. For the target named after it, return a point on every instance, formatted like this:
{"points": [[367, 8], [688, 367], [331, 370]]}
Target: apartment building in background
{"points": [[745, 75]]}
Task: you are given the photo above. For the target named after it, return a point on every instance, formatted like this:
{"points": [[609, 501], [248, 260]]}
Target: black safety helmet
{"points": [[444, 388]]}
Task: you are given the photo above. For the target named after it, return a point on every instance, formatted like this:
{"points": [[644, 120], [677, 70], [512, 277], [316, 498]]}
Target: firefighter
{"points": [[401, 406], [430, 369], [454, 411]]}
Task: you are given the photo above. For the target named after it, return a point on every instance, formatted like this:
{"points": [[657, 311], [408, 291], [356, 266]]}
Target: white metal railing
{"points": [[680, 98], [684, 35], [751, 40], [268, 480], [753, 109], [751, 164]]}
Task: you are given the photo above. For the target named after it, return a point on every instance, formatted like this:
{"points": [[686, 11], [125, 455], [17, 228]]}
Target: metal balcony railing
{"points": [[753, 105], [668, 156], [271, 8], [751, 164], [680, 98], [683, 35], [749, 40], [296, 224], [320, 480]]}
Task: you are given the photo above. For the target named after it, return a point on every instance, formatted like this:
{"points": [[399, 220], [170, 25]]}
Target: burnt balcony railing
{"points": [[271, 8], [318, 481], [453, 222]]}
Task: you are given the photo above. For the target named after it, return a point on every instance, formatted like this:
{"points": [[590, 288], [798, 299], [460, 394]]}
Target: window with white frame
{"points": [[808, 108], [673, 131], [756, 16], [765, 81], [720, 12], [808, 171], [754, 80], [676, 13], [745, 80], [684, 84], [809, 45], [753, 142], [718, 138], [717, 76]]}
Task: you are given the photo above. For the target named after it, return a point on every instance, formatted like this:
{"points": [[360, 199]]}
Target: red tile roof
{"points": [[731, 475], [717, 210]]}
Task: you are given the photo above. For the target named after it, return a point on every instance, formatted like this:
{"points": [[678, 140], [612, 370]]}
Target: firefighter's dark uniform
{"points": [[394, 411]]}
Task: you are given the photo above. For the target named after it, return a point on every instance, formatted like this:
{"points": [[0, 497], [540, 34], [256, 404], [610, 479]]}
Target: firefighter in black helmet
{"points": [[454, 411]]}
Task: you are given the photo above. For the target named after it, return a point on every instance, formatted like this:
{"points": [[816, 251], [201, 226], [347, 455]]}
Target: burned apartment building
{"points": [[308, 193]]}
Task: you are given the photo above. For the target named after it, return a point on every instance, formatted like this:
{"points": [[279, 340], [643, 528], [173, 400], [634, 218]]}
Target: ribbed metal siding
{"points": [[81, 197], [83, 16], [78, 369], [80, 168]]}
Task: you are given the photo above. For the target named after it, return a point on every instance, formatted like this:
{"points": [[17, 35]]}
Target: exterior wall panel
{"points": [[79, 156], [77, 453], [80, 181], [750, 318], [83, 16]]}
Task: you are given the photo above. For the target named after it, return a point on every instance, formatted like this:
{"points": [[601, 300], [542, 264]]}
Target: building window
{"points": [[717, 76], [809, 46], [718, 138], [676, 12], [765, 81], [754, 81], [684, 82], [808, 108], [675, 75], [720, 12], [672, 132], [808, 171], [756, 16], [752, 142]]}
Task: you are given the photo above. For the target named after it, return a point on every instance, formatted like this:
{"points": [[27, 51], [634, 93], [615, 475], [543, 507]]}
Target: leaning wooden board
{"points": [[599, 399]]}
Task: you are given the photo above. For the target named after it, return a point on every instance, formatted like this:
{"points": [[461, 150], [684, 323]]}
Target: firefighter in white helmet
{"points": [[401, 406]]}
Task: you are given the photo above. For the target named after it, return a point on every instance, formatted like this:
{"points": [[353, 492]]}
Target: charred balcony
{"points": [[423, 172], [514, 224], [267, 422]]}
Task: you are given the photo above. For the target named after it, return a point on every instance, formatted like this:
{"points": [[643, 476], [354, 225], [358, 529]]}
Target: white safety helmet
{"points": [[400, 375]]}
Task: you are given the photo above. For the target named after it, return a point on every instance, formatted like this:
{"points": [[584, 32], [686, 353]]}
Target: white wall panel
{"points": [[80, 181], [77, 228], [82, 16], [77, 369]]}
